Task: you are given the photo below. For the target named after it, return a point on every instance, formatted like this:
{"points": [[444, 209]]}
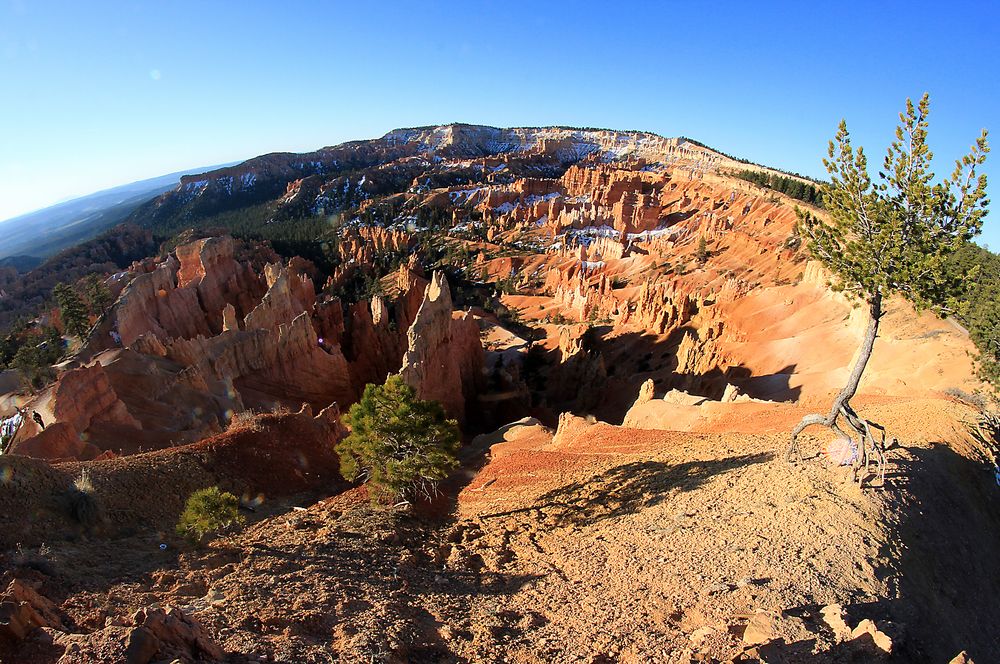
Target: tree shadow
{"points": [[631, 358], [857, 651], [628, 489], [945, 557], [421, 578]]}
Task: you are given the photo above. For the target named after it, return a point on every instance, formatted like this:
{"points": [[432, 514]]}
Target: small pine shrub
{"points": [[701, 253], [401, 445], [209, 511]]}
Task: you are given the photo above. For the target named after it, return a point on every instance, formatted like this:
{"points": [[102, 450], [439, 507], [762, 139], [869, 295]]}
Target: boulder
{"points": [[759, 630], [22, 610], [867, 627], [179, 634], [504, 433], [165, 635], [833, 616], [570, 424]]}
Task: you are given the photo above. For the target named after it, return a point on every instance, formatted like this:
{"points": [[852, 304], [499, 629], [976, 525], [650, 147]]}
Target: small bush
{"points": [[245, 420], [793, 242], [209, 512], [976, 399], [41, 560], [82, 503]]}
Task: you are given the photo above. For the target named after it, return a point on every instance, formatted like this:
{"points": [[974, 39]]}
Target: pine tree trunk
{"points": [[842, 400], [864, 354]]}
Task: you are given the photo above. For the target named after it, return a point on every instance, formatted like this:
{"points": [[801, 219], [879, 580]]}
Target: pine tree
{"points": [[30, 361], [209, 511], [402, 446], [892, 236], [72, 311], [702, 253], [98, 295]]}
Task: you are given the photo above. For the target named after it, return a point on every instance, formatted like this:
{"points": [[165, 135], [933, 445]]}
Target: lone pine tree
{"points": [[891, 236], [72, 310], [401, 445]]}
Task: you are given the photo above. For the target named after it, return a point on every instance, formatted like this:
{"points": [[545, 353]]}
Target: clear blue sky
{"points": [[95, 94]]}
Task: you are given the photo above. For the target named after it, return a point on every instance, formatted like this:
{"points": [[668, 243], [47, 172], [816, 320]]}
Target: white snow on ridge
{"points": [[534, 198], [568, 144], [463, 193], [649, 235], [595, 231], [198, 184]]}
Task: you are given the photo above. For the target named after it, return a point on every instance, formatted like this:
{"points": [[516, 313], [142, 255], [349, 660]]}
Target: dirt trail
{"points": [[670, 546]]}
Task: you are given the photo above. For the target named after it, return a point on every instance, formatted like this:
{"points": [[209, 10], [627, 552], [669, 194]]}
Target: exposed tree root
{"points": [[871, 449]]}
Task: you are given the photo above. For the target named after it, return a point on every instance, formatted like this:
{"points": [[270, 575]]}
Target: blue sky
{"points": [[98, 94]]}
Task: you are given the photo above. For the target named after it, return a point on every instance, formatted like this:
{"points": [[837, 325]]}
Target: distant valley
{"points": [[27, 239]]}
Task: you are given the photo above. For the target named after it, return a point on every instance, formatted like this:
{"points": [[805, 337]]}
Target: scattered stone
{"points": [[880, 638], [716, 588], [22, 610], [759, 630], [833, 616], [699, 635]]}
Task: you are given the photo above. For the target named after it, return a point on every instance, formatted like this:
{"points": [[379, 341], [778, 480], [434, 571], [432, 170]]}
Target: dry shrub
{"points": [[81, 501], [247, 420], [975, 399], [252, 420]]}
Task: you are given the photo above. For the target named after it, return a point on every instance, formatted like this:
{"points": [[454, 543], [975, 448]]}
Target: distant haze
{"points": [[47, 231]]}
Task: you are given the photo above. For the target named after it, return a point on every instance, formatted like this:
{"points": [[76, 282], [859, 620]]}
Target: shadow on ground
{"points": [[629, 488], [946, 555]]}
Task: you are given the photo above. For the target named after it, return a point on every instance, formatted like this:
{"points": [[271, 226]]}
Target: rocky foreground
{"points": [[600, 543]]}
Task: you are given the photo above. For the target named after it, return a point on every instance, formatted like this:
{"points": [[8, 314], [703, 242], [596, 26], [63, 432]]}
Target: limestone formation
{"points": [[568, 426], [444, 356], [190, 361], [81, 398], [84, 396], [646, 392]]}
